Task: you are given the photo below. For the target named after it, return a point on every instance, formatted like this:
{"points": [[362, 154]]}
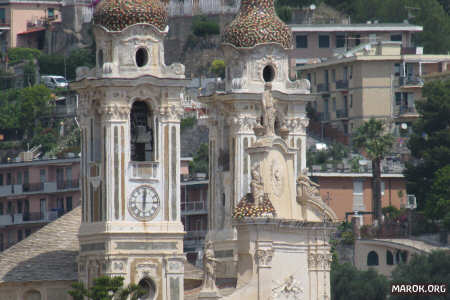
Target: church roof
{"points": [[48, 254], [116, 15], [257, 23]]}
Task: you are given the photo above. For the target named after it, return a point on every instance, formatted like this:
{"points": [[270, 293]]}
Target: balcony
{"points": [[194, 207], [324, 116], [33, 217], [409, 81], [143, 169], [342, 85], [341, 113], [67, 184], [405, 111], [322, 88]]}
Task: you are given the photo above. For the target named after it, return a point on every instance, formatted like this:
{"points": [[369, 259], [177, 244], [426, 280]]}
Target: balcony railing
{"points": [[143, 169], [342, 84], [194, 206], [324, 116], [405, 110], [411, 81], [33, 187], [341, 113], [48, 216], [322, 87], [67, 184]]}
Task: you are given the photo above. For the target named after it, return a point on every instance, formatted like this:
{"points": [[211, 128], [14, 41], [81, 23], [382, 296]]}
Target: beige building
{"points": [[23, 22], [374, 80]]}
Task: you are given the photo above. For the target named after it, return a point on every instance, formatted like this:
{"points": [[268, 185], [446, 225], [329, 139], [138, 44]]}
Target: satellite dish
{"points": [[312, 7], [404, 126]]}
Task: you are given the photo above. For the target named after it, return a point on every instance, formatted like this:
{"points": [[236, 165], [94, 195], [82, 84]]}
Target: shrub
{"points": [[16, 55], [218, 68], [203, 27]]}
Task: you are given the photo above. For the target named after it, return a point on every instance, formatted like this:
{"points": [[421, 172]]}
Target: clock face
{"points": [[143, 203]]}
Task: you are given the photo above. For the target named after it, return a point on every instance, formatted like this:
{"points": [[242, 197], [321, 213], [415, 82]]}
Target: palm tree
{"points": [[371, 139]]}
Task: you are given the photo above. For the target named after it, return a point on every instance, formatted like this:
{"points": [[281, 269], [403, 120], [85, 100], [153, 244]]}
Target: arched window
{"points": [[149, 286], [372, 259], [389, 258], [141, 132], [32, 295]]}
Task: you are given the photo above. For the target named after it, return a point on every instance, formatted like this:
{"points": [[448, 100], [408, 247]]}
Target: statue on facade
{"points": [[257, 187], [209, 266], [306, 188], [268, 110]]}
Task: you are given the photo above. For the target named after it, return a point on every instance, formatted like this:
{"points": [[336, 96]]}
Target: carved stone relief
{"points": [[290, 288], [319, 261], [263, 257], [276, 171]]}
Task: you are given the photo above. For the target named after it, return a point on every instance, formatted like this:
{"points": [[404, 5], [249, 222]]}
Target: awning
{"points": [[37, 29]]}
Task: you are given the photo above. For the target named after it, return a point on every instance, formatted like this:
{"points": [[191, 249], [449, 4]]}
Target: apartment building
{"points": [[194, 210], [35, 192], [23, 22], [312, 41], [350, 192], [374, 80]]}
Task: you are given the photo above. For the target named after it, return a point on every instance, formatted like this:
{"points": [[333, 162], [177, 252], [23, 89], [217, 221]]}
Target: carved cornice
{"points": [[171, 113], [296, 125], [263, 257], [319, 261], [114, 112], [242, 123]]}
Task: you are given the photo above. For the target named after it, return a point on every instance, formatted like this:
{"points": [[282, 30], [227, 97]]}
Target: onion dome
{"points": [[257, 23], [115, 15]]}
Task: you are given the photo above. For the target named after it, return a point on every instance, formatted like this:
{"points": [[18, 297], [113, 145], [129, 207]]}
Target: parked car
{"points": [[54, 81]]}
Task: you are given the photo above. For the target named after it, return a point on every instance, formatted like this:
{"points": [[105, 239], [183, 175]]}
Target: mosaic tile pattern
{"points": [[257, 23], [247, 208], [115, 15]]}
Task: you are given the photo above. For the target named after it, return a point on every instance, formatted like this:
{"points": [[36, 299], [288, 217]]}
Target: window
{"points": [[334, 104], [26, 177], [19, 177], [389, 258], [333, 75], [357, 39], [68, 203], [397, 69], [351, 72], [8, 179], [10, 207], [141, 132], [51, 12], [398, 98], [19, 206], [345, 73], [372, 259], [27, 232], [141, 57], [1, 209], [268, 73], [301, 41], [396, 37], [1, 179], [308, 76], [60, 203], [42, 175], [324, 41], [2, 15], [382, 188], [19, 235], [351, 101], [340, 41]]}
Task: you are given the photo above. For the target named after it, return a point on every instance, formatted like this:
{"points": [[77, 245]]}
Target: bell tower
{"points": [[129, 113]]}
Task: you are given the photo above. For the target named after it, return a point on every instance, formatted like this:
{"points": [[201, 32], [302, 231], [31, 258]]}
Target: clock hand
{"points": [[144, 198]]}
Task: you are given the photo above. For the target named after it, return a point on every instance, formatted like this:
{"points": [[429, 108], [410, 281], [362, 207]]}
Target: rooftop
{"points": [[363, 27]]}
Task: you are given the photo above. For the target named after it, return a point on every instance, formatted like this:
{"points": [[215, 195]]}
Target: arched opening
{"points": [[141, 57], [372, 259], [268, 73], [100, 58], [389, 258], [149, 286], [32, 295], [141, 132]]}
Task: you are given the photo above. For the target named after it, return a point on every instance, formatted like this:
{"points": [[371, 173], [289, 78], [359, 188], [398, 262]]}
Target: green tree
{"points": [[348, 283], [372, 139], [201, 160], [106, 288], [18, 54], [202, 27], [430, 146], [423, 268], [218, 68]]}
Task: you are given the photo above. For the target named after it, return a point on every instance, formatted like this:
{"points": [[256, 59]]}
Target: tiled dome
{"points": [[115, 15], [257, 23]]}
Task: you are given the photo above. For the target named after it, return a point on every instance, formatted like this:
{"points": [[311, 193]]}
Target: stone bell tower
{"points": [[129, 114], [256, 46]]}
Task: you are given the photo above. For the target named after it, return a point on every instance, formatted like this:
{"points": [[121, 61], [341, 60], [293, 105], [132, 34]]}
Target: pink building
{"points": [[34, 193], [23, 22]]}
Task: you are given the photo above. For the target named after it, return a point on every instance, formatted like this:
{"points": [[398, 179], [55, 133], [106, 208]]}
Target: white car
{"points": [[54, 81]]}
